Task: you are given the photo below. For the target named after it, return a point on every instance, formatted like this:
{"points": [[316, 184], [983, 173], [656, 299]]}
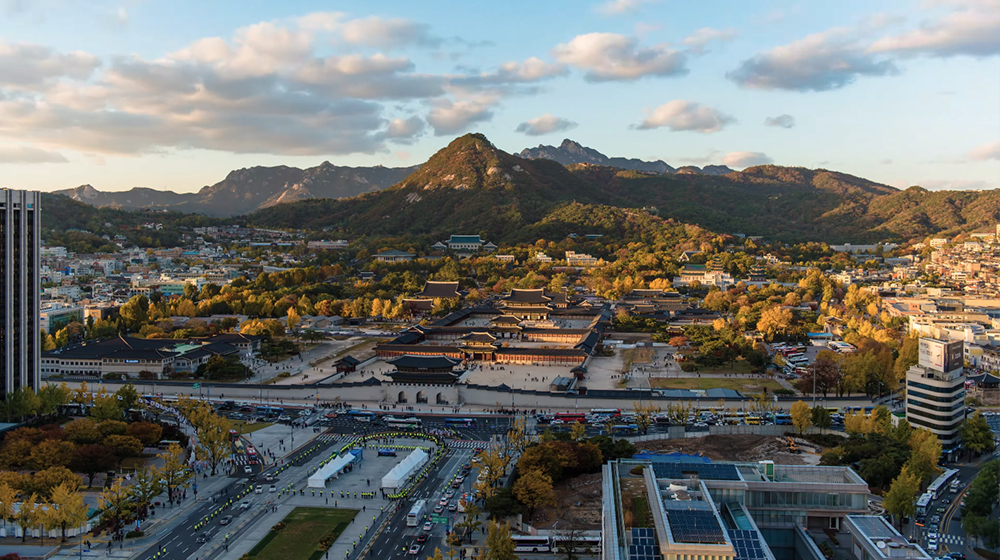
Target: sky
{"points": [[174, 95]]}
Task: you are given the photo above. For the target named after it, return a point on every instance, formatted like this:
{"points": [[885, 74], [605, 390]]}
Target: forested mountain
{"points": [[249, 189], [570, 152], [472, 187]]}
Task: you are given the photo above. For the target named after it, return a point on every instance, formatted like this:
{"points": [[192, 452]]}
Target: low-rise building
{"points": [[55, 316]]}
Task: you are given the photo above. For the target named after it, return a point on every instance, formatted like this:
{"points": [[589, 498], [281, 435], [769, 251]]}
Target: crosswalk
{"points": [[951, 539], [467, 444]]}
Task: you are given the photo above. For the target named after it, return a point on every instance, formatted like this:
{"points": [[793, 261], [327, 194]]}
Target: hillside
{"points": [[471, 187], [250, 189]]}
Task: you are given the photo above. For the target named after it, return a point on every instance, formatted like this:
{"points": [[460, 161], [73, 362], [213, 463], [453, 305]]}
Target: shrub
{"points": [[134, 534], [284, 375], [783, 392], [278, 527], [637, 470]]}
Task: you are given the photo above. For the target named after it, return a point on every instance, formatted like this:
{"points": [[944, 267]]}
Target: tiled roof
{"points": [[440, 289], [411, 361], [527, 296]]}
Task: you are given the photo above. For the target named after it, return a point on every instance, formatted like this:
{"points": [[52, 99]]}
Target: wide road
{"points": [[210, 519]]}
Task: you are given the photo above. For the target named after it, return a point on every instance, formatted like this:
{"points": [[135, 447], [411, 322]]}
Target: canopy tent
{"points": [[404, 469], [330, 470]]}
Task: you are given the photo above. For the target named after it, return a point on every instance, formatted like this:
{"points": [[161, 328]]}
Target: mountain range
{"points": [[472, 187], [249, 189], [570, 152]]}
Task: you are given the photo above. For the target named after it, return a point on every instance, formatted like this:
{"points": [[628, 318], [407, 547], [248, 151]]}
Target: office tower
{"points": [[20, 347], [935, 390]]}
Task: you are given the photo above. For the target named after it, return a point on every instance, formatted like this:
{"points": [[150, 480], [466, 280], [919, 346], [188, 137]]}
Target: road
{"points": [[206, 519], [951, 537]]}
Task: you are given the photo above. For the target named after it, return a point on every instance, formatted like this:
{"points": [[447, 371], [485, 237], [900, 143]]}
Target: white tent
{"points": [[330, 470], [399, 474]]}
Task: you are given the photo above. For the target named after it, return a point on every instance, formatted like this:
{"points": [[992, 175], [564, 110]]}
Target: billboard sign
{"points": [[941, 356]]}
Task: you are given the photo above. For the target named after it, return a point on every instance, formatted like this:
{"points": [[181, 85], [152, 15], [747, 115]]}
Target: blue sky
{"points": [[174, 95]]}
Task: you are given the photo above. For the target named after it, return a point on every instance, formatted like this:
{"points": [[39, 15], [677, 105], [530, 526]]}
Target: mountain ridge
{"points": [[570, 152]]}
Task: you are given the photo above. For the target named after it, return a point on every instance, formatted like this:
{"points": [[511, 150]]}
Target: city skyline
{"points": [[129, 94]]}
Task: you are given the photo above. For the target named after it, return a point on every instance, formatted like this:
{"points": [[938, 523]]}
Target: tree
{"points": [[83, 431], [577, 431], [899, 500], [106, 407], [437, 551], [534, 489], [93, 459], [293, 319], [518, 437], [67, 508], [820, 417], [44, 482], [499, 544], [148, 433], [145, 486], [213, 440], [51, 397], [128, 397], [124, 446], [976, 435], [8, 497], [775, 320], [51, 453], [116, 503], [824, 375], [112, 428], [925, 452], [174, 473], [801, 416], [28, 515], [762, 403], [502, 504], [644, 413], [494, 461], [134, 313]]}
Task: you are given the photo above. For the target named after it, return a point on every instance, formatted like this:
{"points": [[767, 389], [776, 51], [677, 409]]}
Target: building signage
{"points": [[941, 356]]}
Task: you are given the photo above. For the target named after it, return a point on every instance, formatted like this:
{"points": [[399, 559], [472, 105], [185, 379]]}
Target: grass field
{"points": [[304, 529], [245, 428], [742, 384]]}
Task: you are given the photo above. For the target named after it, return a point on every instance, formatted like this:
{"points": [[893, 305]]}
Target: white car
{"points": [[932, 545], [248, 469], [414, 550]]}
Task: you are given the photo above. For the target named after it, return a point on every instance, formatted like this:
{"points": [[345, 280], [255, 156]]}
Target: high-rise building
{"points": [[935, 390], [20, 240]]}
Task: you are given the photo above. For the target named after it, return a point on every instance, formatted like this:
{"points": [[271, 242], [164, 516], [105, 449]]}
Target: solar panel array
{"points": [[644, 545], [695, 526], [705, 471], [747, 545]]}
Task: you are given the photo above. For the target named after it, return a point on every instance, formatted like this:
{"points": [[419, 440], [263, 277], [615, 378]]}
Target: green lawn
{"points": [[244, 428], [742, 384], [304, 529]]}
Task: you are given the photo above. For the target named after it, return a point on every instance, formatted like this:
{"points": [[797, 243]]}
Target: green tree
{"points": [[135, 312], [83, 431], [801, 416], [51, 397], [116, 503], [128, 397], [976, 435], [899, 500], [925, 452], [821, 417]]}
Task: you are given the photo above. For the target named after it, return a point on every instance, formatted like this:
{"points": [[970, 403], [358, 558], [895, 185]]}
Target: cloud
{"points": [[681, 115], [782, 121], [972, 29], [986, 152], [818, 62], [702, 37], [455, 116], [28, 154], [746, 159], [613, 57], [618, 7], [531, 70], [29, 66], [405, 131], [388, 33], [545, 124]]}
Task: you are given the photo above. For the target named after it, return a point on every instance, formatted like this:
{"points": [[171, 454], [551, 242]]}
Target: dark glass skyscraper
{"points": [[20, 238]]}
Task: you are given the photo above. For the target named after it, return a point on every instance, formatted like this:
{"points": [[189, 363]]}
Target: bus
{"points": [[234, 435], [416, 515], [923, 507], [460, 422], [530, 543], [941, 483], [269, 411], [625, 429], [385, 452], [572, 417], [754, 420], [238, 446], [363, 415], [581, 543], [412, 423], [955, 485], [606, 411], [783, 420]]}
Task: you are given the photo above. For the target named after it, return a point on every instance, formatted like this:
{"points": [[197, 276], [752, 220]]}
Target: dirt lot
{"points": [[579, 502], [732, 448]]}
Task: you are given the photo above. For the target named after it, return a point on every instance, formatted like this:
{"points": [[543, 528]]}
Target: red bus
{"points": [[571, 417]]}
